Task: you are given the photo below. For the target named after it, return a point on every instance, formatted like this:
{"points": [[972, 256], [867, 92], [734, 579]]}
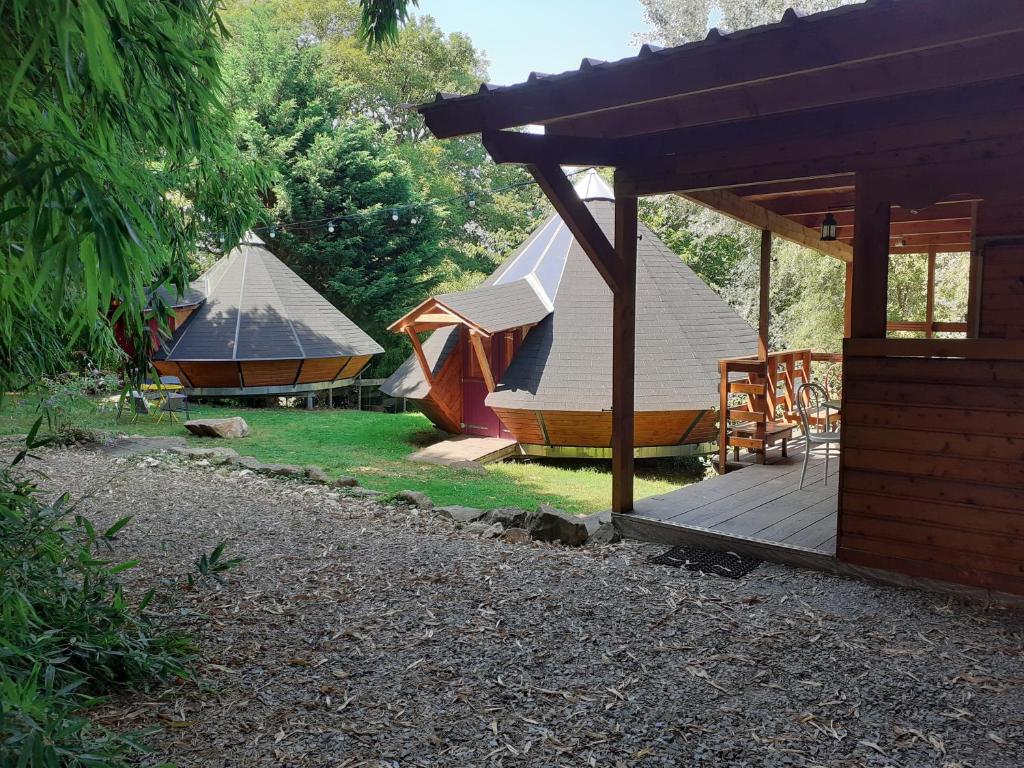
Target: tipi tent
{"points": [[528, 354], [260, 329]]}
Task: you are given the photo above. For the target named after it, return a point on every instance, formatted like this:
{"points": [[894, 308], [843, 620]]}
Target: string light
{"points": [[331, 224]]}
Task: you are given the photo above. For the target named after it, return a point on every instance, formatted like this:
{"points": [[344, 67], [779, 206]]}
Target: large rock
{"points": [[605, 534], [484, 530], [550, 524], [281, 470], [415, 498], [458, 514], [247, 462], [344, 482], [516, 536], [363, 493], [509, 517], [214, 455], [225, 428], [317, 475]]}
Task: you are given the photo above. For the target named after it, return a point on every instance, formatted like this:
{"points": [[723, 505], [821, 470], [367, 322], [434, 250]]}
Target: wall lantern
{"points": [[829, 228]]}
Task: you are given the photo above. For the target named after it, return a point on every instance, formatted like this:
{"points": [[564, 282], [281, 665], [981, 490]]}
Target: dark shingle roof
{"points": [[499, 307], [683, 329], [258, 309]]}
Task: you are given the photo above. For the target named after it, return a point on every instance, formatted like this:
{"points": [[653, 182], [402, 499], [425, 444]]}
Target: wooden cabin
{"points": [[256, 328], [903, 120], [527, 355]]}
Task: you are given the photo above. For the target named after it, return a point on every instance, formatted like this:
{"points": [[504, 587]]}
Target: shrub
{"points": [[69, 633]]}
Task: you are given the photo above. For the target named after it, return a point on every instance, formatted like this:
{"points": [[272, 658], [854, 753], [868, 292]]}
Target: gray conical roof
{"points": [[256, 308]]}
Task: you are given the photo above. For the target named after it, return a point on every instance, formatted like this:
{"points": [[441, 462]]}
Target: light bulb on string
{"points": [[414, 220], [330, 227], [472, 201], [394, 214], [273, 231]]}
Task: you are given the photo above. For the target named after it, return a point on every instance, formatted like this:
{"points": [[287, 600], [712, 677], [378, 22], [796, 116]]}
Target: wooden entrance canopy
{"points": [[902, 118]]}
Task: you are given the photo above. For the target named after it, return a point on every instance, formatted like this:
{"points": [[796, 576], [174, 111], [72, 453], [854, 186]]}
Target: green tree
{"points": [[117, 160], [681, 21], [332, 164]]}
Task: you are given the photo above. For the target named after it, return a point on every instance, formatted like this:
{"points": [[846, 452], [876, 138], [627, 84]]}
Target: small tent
{"points": [[528, 354], [255, 327]]}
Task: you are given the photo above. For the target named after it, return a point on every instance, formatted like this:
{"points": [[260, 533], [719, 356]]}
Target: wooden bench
{"points": [[744, 435]]}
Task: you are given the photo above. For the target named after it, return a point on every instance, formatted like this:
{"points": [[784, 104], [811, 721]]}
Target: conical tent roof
{"points": [[683, 328], [256, 308]]}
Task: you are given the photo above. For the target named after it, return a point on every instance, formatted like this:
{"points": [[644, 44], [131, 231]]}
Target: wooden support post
{"points": [[420, 356], [624, 354], [929, 304], [848, 300], [976, 275], [764, 308], [871, 256], [481, 357], [723, 416]]}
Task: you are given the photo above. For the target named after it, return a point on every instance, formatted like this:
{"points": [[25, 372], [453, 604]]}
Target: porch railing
{"points": [[757, 405]]}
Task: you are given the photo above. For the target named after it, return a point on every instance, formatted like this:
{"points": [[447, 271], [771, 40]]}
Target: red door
{"points": [[477, 418]]}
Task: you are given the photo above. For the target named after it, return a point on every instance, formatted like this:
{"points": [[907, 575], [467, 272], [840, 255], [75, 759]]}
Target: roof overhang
{"points": [[772, 125], [431, 315]]}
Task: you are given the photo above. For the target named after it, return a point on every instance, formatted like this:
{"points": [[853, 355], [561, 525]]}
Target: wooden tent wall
{"points": [[443, 403], [594, 428], [262, 373]]}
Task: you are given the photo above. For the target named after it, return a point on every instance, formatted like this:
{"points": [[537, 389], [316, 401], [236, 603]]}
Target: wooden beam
{"points": [[826, 43], [624, 355], [868, 300], [975, 63], [420, 356], [943, 211], [514, 147], [976, 276], [929, 301], [481, 358], [577, 218], [755, 215], [848, 300], [763, 306]]}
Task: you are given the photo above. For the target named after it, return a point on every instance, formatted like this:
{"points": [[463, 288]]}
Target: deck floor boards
{"points": [[762, 505]]}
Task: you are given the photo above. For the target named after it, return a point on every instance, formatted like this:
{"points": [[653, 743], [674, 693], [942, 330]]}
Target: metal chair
{"points": [[140, 405], [171, 404], [811, 402]]}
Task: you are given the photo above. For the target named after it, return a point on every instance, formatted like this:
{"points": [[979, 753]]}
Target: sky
{"points": [[518, 36]]}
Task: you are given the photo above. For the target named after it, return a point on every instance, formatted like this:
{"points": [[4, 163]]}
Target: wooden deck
{"points": [[466, 448], [758, 510]]}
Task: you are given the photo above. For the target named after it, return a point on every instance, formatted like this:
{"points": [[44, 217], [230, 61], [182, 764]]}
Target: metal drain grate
{"points": [[728, 564]]}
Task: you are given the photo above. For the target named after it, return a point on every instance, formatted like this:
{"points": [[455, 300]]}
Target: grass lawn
{"points": [[374, 447]]}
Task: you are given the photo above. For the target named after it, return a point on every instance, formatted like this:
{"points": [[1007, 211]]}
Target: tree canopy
{"points": [[118, 159]]}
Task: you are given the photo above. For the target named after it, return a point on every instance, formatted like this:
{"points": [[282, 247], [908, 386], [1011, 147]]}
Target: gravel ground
{"points": [[358, 633]]}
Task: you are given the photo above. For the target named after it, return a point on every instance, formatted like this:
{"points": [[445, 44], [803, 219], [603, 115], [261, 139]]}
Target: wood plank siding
{"points": [[933, 461], [443, 403], [1002, 290]]}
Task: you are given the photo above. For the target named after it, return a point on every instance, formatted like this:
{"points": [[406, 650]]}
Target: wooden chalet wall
{"points": [[1002, 291], [933, 460]]}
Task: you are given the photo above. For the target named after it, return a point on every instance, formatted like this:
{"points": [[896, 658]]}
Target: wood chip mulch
{"points": [[365, 634]]}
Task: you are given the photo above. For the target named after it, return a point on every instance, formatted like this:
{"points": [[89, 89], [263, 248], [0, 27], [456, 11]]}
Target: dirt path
{"points": [[359, 634]]}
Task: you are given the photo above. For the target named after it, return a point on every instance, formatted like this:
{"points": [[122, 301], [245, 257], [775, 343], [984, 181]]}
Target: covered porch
{"points": [[897, 124]]}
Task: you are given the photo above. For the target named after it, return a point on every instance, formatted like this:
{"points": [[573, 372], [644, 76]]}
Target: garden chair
{"points": [[140, 405], [811, 401], [172, 403]]}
